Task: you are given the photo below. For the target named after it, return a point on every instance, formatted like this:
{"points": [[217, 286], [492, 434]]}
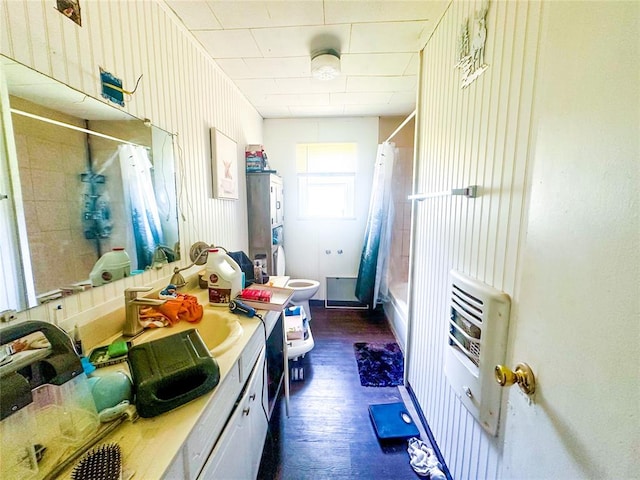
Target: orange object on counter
{"points": [[183, 307]]}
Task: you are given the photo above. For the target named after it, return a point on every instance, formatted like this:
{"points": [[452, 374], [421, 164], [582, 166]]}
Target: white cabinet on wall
{"points": [[266, 216]]}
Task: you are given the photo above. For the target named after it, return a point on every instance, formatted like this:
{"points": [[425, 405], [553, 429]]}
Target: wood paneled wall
{"points": [[473, 136], [182, 91]]}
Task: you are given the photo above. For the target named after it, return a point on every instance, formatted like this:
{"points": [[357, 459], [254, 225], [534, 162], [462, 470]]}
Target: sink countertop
{"points": [[149, 445]]}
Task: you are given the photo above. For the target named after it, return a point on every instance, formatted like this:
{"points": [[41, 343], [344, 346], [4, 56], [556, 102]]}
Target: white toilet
{"points": [[303, 288]]}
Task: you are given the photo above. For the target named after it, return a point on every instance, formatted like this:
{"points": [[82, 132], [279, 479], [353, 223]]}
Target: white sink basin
{"points": [[219, 331]]}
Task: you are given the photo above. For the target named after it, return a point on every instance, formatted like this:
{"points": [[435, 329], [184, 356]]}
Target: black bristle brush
{"points": [[101, 463]]}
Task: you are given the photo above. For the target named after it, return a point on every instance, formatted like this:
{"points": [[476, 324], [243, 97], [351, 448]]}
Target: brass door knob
{"points": [[523, 376]]}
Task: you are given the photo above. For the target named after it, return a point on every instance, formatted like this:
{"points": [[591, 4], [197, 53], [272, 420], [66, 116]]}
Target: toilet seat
{"points": [[302, 284], [303, 288]]}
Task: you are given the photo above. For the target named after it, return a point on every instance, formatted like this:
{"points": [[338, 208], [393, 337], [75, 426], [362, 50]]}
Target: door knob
{"points": [[523, 376]]}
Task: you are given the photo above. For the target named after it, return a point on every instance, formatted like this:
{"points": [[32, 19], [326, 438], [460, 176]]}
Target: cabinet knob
{"points": [[246, 411]]}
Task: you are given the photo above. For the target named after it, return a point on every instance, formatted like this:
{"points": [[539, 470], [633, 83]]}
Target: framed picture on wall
{"points": [[224, 166]]}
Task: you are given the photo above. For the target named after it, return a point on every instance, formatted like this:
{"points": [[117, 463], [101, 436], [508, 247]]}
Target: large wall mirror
{"points": [[86, 179]]}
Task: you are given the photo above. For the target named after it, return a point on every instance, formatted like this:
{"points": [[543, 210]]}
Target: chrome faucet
{"points": [[132, 325]]}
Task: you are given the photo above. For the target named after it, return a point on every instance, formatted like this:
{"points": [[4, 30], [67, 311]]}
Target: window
{"points": [[326, 179]]}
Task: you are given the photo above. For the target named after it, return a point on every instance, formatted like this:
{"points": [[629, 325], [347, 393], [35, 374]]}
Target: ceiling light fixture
{"points": [[325, 65]]}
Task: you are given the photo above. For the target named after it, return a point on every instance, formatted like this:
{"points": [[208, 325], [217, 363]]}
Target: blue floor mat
{"points": [[379, 364]]}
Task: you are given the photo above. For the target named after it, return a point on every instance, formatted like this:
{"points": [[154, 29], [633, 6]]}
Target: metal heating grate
{"points": [[477, 339], [340, 293]]}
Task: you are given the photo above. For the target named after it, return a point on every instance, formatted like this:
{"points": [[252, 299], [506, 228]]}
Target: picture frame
{"points": [[224, 166]]}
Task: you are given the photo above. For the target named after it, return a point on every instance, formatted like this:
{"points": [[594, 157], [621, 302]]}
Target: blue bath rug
{"points": [[379, 364]]}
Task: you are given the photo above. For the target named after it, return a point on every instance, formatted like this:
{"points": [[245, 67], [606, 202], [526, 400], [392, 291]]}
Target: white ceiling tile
{"points": [[317, 111], [311, 85], [357, 11], [274, 111], [277, 67], [265, 46], [228, 43], [233, 67], [258, 85], [387, 37], [299, 41], [374, 63], [289, 99], [382, 84], [195, 15], [403, 97], [360, 98], [254, 14], [413, 66], [381, 110]]}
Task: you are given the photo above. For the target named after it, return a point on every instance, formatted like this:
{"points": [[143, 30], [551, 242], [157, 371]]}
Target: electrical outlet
{"points": [[111, 87], [7, 316]]}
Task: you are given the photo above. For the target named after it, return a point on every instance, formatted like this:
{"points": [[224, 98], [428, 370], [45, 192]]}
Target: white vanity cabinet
{"points": [[243, 388], [238, 451]]}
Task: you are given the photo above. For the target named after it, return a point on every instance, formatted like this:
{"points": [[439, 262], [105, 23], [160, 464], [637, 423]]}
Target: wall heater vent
{"points": [[477, 339], [340, 293]]}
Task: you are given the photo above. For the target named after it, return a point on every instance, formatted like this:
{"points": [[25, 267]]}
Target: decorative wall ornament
{"points": [[224, 158], [471, 56], [70, 9]]}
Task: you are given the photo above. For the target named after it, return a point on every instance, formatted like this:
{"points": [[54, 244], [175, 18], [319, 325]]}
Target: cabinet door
{"points": [[257, 419], [279, 202], [239, 449]]}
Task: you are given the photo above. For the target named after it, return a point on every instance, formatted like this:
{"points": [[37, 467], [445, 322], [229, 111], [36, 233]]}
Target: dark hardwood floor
{"points": [[328, 434]]}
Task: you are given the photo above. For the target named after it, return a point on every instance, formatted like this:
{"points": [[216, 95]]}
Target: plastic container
{"points": [[113, 265], [224, 277], [17, 450], [257, 272]]}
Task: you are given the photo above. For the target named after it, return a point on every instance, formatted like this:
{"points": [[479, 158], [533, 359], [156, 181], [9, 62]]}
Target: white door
{"points": [[551, 133], [577, 309]]}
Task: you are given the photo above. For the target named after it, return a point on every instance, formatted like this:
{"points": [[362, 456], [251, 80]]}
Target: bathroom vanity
{"points": [[220, 434], [227, 438]]}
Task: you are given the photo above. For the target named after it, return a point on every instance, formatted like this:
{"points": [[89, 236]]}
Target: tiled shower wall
{"points": [[473, 136], [182, 91], [398, 273], [51, 159]]}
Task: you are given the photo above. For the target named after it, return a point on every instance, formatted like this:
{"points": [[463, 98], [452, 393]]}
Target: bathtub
{"points": [[396, 311]]}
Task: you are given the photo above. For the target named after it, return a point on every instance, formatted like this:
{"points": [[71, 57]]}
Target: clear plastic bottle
{"points": [[257, 271]]}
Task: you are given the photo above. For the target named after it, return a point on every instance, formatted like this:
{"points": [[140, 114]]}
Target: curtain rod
{"points": [[72, 127], [406, 120]]}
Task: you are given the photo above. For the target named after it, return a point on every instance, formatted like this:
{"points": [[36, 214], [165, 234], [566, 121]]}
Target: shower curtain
{"points": [[371, 284], [141, 205]]}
